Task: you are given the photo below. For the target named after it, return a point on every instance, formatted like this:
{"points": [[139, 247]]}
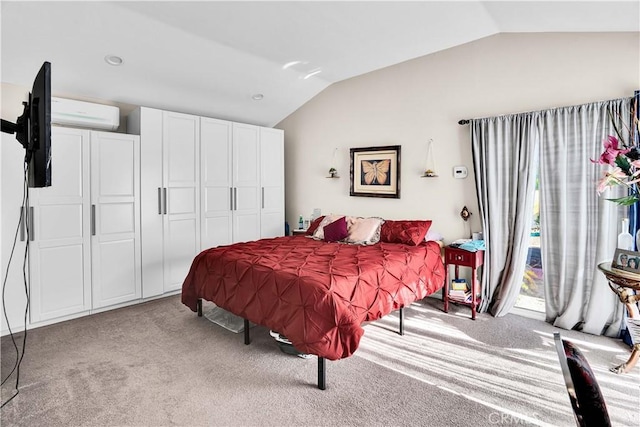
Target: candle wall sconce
{"points": [[430, 167], [465, 214], [333, 172]]}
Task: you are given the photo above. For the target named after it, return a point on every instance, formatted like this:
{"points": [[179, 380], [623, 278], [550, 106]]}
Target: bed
{"points": [[316, 293]]}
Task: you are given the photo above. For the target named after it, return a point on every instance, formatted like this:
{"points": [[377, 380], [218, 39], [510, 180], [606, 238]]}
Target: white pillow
{"points": [[433, 235], [363, 231]]}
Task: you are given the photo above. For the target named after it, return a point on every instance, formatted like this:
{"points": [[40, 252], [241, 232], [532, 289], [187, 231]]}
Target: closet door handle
{"points": [[22, 226], [164, 192], [262, 197], [235, 198], [31, 227], [93, 220], [159, 201], [230, 198]]}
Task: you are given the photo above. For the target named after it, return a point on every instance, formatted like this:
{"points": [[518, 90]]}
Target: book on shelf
{"points": [[459, 294], [464, 296], [459, 285]]}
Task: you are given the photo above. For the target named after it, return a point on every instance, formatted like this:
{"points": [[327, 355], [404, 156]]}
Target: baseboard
{"points": [[48, 322], [531, 314]]}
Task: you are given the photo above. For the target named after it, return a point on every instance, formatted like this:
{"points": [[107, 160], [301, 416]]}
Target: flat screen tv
{"points": [[33, 129]]}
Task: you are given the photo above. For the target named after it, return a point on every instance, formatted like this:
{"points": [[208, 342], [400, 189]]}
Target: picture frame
{"points": [[628, 261], [375, 172]]}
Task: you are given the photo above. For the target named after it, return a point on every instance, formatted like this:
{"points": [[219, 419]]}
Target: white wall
{"points": [[424, 98], [11, 175]]}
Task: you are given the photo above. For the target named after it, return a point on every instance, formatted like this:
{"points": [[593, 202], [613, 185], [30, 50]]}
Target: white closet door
{"points": [[115, 213], [147, 122], [181, 170], [246, 182], [59, 248], [216, 188], [272, 182]]}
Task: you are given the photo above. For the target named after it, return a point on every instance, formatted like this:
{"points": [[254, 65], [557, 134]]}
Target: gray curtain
{"points": [[578, 228], [505, 151]]}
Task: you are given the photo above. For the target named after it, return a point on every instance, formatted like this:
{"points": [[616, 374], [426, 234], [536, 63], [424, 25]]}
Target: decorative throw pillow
{"points": [[314, 225], [336, 231], [328, 219], [407, 232], [433, 235], [363, 231]]}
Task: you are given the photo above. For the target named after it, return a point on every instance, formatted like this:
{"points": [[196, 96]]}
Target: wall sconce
{"points": [[465, 214], [430, 167], [333, 172]]}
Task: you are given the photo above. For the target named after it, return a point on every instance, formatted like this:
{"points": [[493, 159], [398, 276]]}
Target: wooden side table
{"points": [[461, 258], [623, 283], [299, 231]]}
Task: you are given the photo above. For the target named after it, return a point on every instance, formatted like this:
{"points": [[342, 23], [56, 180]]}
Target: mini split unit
{"points": [[68, 112]]}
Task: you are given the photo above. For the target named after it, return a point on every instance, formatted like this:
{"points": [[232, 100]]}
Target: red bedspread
{"points": [[317, 294]]}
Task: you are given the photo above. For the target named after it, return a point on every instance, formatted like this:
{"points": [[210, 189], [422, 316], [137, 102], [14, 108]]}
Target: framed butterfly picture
{"points": [[375, 172]]}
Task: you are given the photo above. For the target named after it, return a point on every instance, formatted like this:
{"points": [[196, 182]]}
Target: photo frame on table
{"points": [[375, 172], [626, 261]]}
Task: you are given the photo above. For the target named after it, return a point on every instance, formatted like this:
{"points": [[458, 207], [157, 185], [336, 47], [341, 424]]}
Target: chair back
{"points": [[588, 404]]}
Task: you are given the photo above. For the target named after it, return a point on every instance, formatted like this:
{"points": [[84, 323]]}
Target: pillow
{"points": [[407, 232], [314, 225], [363, 231], [433, 235], [319, 233], [336, 231]]}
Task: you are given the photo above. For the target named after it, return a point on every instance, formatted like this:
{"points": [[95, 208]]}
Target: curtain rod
{"points": [[467, 121]]}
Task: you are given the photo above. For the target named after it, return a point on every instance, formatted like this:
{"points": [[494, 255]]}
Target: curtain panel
{"points": [[505, 152], [578, 228]]}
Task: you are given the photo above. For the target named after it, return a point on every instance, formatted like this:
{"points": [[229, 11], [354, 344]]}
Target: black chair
{"points": [[586, 398]]}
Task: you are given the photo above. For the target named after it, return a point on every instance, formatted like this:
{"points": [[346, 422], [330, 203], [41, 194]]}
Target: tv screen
{"points": [[39, 140]]}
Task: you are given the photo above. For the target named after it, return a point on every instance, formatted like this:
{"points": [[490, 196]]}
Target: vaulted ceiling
{"points": [[211, 58]]}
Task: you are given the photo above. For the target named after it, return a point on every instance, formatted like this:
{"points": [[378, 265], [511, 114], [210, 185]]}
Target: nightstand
{"points": [[461, 258], [299, 231]]}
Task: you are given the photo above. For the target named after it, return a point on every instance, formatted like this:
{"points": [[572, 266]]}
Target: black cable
{"points": [[19, 355], [4, 284]]}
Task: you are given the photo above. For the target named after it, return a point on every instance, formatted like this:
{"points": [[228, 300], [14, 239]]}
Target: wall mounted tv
{"points": [[33, 129]]}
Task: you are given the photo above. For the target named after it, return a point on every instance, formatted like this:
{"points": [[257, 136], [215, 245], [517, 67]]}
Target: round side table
{"points": [[623, 284]]}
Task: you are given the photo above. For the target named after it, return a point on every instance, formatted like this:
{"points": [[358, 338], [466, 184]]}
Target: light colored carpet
{"points": [[158, 364]]}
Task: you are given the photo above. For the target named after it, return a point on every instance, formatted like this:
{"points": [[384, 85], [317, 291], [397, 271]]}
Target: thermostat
{"points": [[459, 171]]}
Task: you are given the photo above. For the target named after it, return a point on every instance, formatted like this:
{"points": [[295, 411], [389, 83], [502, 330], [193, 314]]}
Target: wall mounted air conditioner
{"points": [[68, 112]]}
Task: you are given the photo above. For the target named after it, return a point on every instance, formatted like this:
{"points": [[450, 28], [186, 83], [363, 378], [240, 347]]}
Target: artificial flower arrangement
{"points": [[625, 160]]}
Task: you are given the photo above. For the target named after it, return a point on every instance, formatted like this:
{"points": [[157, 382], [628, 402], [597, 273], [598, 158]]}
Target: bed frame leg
{"points": [[247, 339], [322, 373], [401, 315], [199, 307]]}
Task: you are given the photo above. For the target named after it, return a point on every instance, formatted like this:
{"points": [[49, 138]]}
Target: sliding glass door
{"points": [[532, 289]]}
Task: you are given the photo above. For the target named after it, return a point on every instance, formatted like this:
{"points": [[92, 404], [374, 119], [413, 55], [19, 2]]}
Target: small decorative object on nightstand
{"points": [[333, 173], [461, 258]]}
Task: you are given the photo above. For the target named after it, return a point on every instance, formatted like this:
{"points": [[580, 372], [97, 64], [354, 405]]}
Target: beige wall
{"points": [[409, 103]]}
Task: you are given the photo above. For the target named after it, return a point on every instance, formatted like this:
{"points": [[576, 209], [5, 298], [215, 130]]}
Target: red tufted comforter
{"points": [[317, 294]]}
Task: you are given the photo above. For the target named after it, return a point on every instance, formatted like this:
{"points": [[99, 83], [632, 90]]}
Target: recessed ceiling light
{"points": [[257, 97], [311, 74], [292, 63], [113, 60]]}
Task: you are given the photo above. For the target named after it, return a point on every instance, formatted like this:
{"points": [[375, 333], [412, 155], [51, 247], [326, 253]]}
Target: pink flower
{"points": [[610, 179], [611, 151]]}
